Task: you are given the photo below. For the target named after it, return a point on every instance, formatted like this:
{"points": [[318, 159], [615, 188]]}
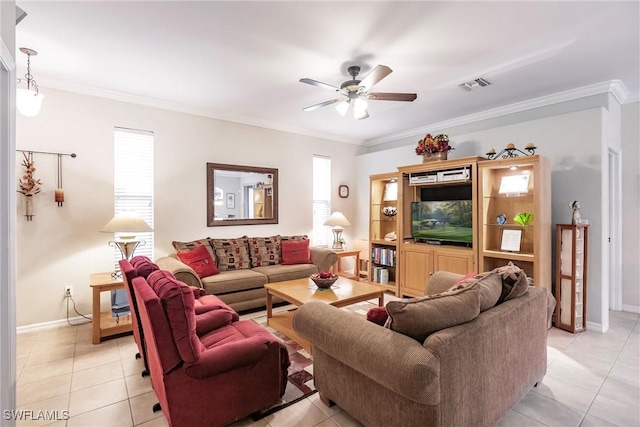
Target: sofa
{"points": [[205, 373], [244, 265], [467, 374]]}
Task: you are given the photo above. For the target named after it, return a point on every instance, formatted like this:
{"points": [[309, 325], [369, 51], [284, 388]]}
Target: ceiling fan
{"points": [[357, 92]]}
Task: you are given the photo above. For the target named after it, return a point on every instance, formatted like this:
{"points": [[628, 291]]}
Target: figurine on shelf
{"points": [[576, 218]]}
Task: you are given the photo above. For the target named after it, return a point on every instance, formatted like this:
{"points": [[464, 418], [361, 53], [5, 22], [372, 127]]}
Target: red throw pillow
{"points": [[200, 260], [296, 252], [378, 315]]}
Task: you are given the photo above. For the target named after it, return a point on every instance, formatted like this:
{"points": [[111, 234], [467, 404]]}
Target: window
{"points": [[133, 182], [321, 201]]}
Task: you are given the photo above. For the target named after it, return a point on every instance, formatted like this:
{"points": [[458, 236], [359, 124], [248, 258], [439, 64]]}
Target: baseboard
{"points": [[596, 327], [36, 327], [631, 308]]}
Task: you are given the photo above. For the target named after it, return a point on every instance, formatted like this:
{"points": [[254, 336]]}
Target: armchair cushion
{"points": [[200, 260], [143, 265], [232, 254], [514, 281], [227, 357], [210, 320], [178, 302], [420, 317], [265, 250]]}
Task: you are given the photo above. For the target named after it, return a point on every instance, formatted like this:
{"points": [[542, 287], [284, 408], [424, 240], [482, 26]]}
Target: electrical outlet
{"points": [[68, 291]]}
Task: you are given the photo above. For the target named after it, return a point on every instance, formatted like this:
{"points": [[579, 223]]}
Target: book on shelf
{"points": [[380, 275]]}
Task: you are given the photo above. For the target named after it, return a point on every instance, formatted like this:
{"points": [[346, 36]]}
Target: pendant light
{"points": [[29, 100]]}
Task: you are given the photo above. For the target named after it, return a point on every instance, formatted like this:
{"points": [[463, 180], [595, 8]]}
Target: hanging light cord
{"points": [[30, 80]]}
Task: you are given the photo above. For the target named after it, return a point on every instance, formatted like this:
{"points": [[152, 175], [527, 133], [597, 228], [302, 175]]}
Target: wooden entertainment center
{"points": [[459, 215]]}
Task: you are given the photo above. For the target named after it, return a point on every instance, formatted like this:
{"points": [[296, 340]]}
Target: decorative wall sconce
{"points": [[511, 151], [29, 100]]}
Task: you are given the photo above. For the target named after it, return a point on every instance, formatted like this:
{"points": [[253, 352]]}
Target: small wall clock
{"points": [[343, 191]]}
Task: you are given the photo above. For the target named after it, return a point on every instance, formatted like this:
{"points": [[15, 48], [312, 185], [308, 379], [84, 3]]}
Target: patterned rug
{"points": [[300, 373]]}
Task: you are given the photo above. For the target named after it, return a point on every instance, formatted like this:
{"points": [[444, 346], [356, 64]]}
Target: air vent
{"points": [[474, 84]]}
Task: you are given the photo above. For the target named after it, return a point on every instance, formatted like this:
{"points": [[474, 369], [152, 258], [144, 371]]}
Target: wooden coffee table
{"points": [[301, 291]]}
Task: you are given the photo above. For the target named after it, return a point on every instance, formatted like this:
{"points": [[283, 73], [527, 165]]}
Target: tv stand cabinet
{"points": [[442, 180]]}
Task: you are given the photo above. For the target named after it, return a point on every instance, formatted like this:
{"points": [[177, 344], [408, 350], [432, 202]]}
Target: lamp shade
{"points": [[28, 102], [337, 219], [126, 223]]}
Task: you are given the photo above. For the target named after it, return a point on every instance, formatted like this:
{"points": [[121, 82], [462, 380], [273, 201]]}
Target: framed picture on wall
{"points": [[231, 201]]}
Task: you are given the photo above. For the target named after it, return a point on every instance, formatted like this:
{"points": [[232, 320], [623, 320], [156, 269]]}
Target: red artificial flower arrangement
{"points": [[433, 145]]}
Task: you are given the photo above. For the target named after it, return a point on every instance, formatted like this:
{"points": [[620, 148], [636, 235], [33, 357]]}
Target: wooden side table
{"points": [[337, 267], [104, 325]]}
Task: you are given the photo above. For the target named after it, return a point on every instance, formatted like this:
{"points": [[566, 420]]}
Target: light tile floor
{"points": [[592, 379]]}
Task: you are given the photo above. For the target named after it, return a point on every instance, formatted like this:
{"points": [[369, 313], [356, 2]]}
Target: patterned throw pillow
{"points": [[295, 238], [232, 254], [189, 246], [265, 250]]}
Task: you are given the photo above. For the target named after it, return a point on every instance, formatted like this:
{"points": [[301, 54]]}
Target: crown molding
{"points": [[615, 87], [191, 109]]}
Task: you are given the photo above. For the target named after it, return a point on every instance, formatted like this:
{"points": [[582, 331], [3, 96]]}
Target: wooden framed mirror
{"points": [[241, 195]]}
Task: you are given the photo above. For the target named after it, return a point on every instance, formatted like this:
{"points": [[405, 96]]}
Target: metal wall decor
{"points": [[29, 186], [511, 151]]}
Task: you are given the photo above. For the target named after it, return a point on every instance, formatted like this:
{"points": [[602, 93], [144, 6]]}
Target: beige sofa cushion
{"points": [[280, 273], [265, 250], [231, 254], [489, 285], [233, 281], [420, 317]]}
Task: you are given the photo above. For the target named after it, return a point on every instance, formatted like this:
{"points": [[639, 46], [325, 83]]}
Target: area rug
{"points": [[300, 373]]}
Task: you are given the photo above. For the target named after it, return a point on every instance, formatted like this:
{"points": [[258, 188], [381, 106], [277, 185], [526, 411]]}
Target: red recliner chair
{"points": [[208, 379], [143, 266]]}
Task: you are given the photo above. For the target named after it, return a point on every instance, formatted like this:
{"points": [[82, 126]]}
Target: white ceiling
{"points": [[241, 61]]}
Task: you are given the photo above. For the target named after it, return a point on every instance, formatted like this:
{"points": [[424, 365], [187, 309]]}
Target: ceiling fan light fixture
{"points": [[360, 109], [342, 107]]}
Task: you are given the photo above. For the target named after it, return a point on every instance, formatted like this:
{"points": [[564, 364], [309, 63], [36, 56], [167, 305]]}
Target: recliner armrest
{"points": [[227, 357], [212, 320]]}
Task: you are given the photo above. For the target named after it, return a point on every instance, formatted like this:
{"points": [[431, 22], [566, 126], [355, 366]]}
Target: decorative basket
{"points": [[323, 283]]}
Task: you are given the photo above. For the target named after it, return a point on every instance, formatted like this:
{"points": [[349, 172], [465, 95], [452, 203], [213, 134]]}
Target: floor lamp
{"points": [[337, 220]]}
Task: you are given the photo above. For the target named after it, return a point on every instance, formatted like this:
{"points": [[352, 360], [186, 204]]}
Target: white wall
{"points": [[630, 207], [571, 140], [62, 245]]}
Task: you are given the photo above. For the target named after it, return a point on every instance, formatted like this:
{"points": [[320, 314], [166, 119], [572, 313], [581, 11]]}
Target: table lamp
{"points": [[337, 220], [127, 225]]}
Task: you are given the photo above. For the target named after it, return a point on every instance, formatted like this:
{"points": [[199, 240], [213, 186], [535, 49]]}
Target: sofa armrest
{"points": [[227, 357], [441, 281], [180, 270], [323, 258], [395, 361]]}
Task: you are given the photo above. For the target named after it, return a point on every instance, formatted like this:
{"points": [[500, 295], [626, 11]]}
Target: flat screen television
{"points": [[446, 221]]}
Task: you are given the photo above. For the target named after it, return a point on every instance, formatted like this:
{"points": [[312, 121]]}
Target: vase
{"points": [[435, 156], [28, 207]]}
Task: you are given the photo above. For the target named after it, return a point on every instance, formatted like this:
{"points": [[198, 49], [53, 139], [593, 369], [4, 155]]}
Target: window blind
{"points": [[133, 183], [321, 235]]}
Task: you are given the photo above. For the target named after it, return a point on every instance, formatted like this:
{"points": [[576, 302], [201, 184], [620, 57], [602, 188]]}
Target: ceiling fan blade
{"points": [[377, 74], [320, 84], [387, 96], [322, 104]]}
